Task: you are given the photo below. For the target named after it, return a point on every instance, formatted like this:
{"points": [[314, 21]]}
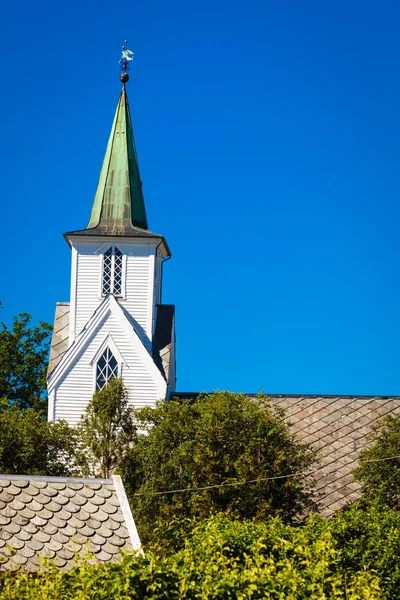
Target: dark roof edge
{"points": [[129, 232], [55, 479], [163, 336], [141, 235], [195, 394]]}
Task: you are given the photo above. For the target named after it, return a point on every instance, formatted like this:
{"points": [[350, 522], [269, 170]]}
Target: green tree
{"points": [[29, 445], [23, 362], [381, 478], [219, 438], [106, 430]]}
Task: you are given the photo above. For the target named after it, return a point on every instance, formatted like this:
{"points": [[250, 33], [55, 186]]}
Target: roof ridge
{"points": [[54, 479], [376, 396]]}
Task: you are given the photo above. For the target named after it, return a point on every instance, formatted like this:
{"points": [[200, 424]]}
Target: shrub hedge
{"points": [[229, 559]]}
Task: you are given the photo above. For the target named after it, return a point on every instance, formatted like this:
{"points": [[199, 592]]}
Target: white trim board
{"points": [[126, 511]]}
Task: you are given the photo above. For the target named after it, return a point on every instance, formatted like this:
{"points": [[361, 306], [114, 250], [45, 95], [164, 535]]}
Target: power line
{"points": [[380, 459], [261, 479], [218, 485]]}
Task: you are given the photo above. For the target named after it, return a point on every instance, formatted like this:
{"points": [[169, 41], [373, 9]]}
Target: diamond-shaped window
{"points": [[112, 272], [106, 369]]}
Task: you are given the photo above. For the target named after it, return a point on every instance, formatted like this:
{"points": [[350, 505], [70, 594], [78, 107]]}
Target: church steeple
{"points": [[119, 204], [118, 207], [115, 323]]}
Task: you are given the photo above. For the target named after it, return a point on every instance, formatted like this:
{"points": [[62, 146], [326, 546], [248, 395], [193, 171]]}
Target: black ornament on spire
{"points": [[127, 55]]}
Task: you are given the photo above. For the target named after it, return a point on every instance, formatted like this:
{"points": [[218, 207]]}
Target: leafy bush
{"points": [[30, 445], [381, 478], [222, 559], [219, 438], [369, 538]]}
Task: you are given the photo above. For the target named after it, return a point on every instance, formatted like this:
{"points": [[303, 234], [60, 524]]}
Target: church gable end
{"points": [[82, 370]]}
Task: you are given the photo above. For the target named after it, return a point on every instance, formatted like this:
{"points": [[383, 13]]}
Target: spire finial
{"points": [[126, 56]]}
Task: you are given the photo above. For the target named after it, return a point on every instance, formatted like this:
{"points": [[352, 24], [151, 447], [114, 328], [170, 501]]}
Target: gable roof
{"points": [[59, 518], [338, 427], [107, 307]]}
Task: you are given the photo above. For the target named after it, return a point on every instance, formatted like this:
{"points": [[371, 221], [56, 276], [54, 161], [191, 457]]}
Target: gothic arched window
{"points": [[106, 368], [112, 272]]}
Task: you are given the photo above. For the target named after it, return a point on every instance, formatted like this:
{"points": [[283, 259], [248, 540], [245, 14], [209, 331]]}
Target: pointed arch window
{"points": [[112, 272], [106, 368]]}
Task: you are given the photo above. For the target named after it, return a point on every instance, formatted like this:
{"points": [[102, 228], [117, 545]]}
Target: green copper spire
{"points": [[118, 206]]}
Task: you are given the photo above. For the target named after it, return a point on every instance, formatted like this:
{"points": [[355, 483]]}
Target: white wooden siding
{"points": [[157, 288], [76, 389], [72, 304], [88, 283], [138, 301], [139, 285]]}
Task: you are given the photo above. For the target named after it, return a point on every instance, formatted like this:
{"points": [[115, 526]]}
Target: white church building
{"points": [[114, 323]]}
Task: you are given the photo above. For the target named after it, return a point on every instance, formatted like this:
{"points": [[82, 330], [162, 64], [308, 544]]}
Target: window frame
{"points": [[114, 370], [101, 253], [107, 342]]}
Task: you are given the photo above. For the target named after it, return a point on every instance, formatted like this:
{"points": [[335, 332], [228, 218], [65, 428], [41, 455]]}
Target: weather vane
{"points": [[126, 56]]}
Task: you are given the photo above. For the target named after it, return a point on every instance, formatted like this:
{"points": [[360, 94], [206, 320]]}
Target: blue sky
{"points": [[268, 136]]}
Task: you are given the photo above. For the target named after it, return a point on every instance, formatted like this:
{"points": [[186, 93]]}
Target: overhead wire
{"points": [[261, 479]]}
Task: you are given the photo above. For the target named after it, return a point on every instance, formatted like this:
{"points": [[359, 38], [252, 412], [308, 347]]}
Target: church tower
{"points": [[114, 324]]}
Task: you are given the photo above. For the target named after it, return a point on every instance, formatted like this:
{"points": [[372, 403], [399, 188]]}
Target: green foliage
{"points": [[106, 430], [381, 478], [222, 559], [30, 445], [23, 362], [369, 538], [221, 437], [363, 539]]}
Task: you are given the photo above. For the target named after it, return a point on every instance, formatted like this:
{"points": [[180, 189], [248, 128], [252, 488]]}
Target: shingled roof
{"points": [[338, 427], [59, 340], [162, 342], [61, 518]]}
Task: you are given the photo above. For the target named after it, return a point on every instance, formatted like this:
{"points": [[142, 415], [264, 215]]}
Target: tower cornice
{"points": [[85, 235]]}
